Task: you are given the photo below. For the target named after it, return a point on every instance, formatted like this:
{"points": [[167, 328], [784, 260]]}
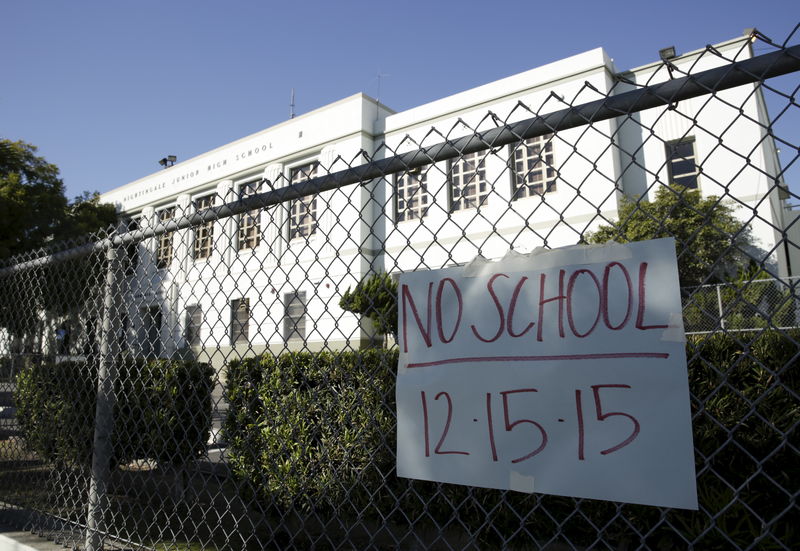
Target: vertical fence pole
{"points": [[719, 306], [104, 413]]}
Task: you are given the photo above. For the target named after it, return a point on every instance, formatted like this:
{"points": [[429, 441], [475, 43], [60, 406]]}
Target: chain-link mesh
{"points": [[219, 373], [742, 306]]}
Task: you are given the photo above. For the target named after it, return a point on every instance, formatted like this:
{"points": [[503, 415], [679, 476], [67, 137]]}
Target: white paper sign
{"points": [[560, 373]]}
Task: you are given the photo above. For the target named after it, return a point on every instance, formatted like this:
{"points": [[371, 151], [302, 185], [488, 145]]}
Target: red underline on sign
{"points": [[568, 357]]}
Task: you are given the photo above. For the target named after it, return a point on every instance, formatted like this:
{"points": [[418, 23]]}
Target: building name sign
{"points": [[201, 172], [562, 373]]}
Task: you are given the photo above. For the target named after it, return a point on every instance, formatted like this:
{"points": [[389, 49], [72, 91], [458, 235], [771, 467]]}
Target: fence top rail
{"points": [[790, 281], [710, 81]]}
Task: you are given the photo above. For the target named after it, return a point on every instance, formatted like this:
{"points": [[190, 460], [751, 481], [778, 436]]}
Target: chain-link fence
{"points": [[218, 373], [744, 306]]}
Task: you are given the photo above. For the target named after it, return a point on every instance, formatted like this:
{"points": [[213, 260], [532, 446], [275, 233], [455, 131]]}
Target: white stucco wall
{"points": [[357, 228]]}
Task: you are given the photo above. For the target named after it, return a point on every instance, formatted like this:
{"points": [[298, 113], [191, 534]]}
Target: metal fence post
{"points": [[719, 306], [104, 413]]}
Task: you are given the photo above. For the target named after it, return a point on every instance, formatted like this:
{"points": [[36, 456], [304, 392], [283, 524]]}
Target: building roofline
{"points": [[727, 44], [295, 120], [538, 77]]}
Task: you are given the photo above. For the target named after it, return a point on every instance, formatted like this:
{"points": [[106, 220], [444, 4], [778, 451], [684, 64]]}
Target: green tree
{"points": [[711, 242], [33, 209], [32, 202], [34, 213], [86, 214], [375, 297]]}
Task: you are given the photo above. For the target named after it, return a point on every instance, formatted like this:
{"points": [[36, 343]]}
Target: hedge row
{"points": [[162, 411], [307, 428], [318, 431]]}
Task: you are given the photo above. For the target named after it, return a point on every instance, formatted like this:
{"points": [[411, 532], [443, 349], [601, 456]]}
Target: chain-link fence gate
{"points": [[211, 375]]}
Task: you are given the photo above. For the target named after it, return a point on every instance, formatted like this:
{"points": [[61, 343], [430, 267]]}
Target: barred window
{"points": [[250, 222], [468, 186], [164, 252], [533, 167], [240, 320], [682, 163], [204, 233], [194, 318], [294, 322], [303, 212], [412, 194]]}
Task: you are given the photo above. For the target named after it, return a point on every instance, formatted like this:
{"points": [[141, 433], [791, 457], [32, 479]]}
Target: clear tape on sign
{"points": [[519, 482], [675, 331], [514, 261]]}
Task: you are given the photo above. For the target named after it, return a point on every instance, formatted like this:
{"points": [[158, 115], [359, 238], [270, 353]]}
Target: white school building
{"points": [[273, 278]]}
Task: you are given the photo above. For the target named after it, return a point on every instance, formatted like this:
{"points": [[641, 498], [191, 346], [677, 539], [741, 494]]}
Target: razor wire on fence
{"points": [[219, 371]]}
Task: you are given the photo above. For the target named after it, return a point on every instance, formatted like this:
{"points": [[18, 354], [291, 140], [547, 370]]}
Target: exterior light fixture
{"points": [[667, 53], [168, 161]]}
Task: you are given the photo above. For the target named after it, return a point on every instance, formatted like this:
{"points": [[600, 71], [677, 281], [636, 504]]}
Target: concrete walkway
{"points": [[14, 540]]}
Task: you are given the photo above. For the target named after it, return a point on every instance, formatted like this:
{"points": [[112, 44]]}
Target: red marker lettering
{"points": [[513, 306], [460, 301], [604, 307], [642, 301], [570, 288], [542, 301], [408, 300], [500, 312]]}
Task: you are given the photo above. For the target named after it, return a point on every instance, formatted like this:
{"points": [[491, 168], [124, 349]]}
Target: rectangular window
{"points": [[468, 185], [131, 249], [412, 194], [294, 322], [240, 320], [249, 222], [164, 253], [204, 233], [533, 167], [194, 318], [682, 163], [303, 212], [150, 332]]}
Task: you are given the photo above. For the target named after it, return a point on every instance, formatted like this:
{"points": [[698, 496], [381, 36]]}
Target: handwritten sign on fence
{"points": [[560, 373]]}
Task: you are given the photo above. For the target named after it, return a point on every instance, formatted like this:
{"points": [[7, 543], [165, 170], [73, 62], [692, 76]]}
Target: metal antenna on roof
{"points": [[291, 105], [380, 76]]}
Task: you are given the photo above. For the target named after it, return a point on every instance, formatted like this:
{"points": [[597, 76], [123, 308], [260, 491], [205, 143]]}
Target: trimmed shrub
{"points": [[305, 428], [375, 297], [318, 430], [162, 410], [55, 410], [175, 408]]}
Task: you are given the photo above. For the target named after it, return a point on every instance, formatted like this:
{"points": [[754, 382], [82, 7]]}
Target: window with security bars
{"points": [[203, 233], [294, 322], [303, 212], [412, 194], [533, 167], [194, 318], [250, 222], [164, 252], [682, 163], [467, 179], [240, 320]]}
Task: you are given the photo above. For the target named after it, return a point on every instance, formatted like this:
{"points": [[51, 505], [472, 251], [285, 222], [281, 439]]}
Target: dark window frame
{"points": [[674, 158], [240, 320], [532, 166], [294, 319]]}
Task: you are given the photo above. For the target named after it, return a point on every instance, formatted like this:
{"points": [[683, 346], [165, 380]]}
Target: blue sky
{"points": [[105, 89]]}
